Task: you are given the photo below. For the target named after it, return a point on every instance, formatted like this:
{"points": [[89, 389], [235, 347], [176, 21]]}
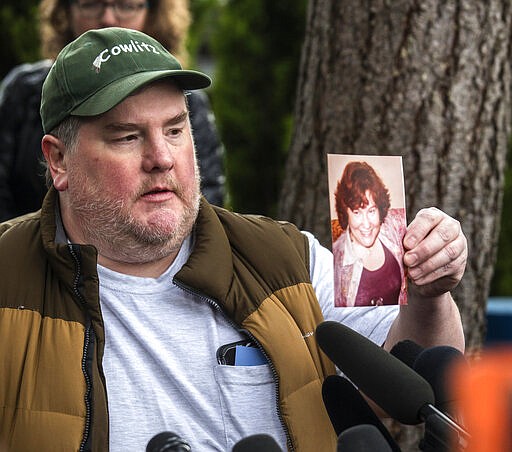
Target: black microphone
{"points": [[434, 364], [362, 438], [407, 351], [394, 386], [257, 443], [167, 442], [347, 408]]}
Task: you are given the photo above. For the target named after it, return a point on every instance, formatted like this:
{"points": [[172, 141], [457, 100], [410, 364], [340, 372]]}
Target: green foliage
{"points": [[502, 281], [256, 50], [205, 14], [18, 33]]}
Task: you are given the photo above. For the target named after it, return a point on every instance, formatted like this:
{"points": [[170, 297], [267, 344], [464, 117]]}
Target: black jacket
{"points": [[22, 181]]}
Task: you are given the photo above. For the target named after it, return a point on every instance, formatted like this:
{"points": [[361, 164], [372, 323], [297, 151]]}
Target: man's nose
{"points": [[158, 155]]}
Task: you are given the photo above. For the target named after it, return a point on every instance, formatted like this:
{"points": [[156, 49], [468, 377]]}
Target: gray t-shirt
{"points": [[161, 368]]}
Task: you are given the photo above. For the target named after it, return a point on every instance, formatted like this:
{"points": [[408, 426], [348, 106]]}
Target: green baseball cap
{"points": [[102, 67]]}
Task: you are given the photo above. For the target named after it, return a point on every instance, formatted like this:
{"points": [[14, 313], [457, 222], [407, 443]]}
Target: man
{"points": [[119, 299]]}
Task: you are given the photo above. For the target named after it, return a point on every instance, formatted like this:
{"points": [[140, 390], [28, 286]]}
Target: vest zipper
{"points": [[87, 340], [217, 306]]}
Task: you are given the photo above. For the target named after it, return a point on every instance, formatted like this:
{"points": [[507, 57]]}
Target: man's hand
{"points": [[436, 252]]}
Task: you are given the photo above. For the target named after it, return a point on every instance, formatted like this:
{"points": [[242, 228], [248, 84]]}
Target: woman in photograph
{"points": [[368, 268]]}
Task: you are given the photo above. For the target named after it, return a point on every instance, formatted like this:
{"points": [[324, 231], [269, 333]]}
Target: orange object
{"points": [[483, 401]]}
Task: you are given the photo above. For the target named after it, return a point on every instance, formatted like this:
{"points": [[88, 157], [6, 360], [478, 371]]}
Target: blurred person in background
{"points": [[22, 181]]}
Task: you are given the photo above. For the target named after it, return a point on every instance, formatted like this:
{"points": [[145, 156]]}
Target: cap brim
{"points": [[112, 94]]}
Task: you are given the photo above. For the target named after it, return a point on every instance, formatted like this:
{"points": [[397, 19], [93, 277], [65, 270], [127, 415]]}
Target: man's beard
{"points": [[109, 226]]}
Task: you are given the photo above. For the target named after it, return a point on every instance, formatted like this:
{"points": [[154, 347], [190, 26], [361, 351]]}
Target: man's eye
{"points": [[126, 138], [174, 132]]}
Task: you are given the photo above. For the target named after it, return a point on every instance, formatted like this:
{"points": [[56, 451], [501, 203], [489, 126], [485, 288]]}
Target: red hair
{"points": [[357, 179]]}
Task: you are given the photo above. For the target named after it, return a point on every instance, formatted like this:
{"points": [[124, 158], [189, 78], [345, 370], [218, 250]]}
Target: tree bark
{"points": [[428, 80]]}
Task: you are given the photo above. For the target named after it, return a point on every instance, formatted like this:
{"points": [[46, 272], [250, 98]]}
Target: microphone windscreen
{"points": [[167, 442], [394, 386], [362, 438], [257, 443], [347, 408], [434, 364], [406, 351]]}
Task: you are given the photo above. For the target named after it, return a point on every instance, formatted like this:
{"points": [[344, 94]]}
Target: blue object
{"points": [[249, 356], [499, 320]]}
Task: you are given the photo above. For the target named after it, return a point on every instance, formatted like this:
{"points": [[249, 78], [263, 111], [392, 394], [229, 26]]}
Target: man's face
{"points": [[132, 182], [364, 222]]}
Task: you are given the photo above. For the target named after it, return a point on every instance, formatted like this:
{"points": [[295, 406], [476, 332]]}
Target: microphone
{"points": [[406, 351], [405, 391], [257, 443], [433, 364], [167, 442], [395, 387], [347, 408], [362, 438]]}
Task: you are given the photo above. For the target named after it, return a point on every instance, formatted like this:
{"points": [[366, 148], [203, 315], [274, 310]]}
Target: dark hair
{"points": [[357, 178], [167, 21]]}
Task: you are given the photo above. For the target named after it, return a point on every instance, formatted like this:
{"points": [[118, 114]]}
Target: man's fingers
{"points": [[436, 252]]}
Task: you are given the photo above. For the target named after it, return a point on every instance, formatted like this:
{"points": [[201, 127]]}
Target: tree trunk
{"points": [[428, 80]]}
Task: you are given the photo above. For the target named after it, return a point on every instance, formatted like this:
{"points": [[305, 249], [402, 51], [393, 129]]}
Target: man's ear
{"points": [[54, 152]]}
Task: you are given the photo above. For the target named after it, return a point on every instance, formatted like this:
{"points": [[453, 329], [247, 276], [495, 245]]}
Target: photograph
{"points": [[368, 223]]}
